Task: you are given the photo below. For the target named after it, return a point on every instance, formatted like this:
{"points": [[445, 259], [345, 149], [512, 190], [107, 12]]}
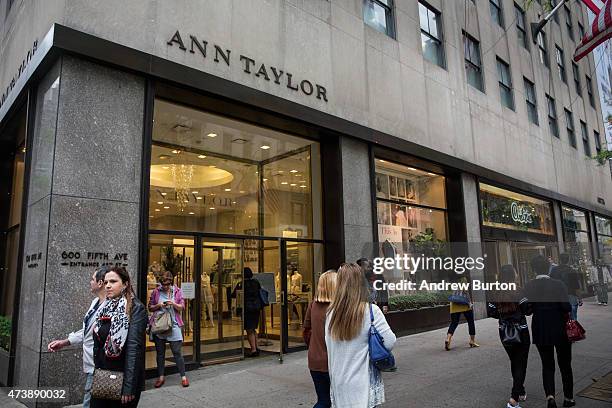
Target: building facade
{"points": [[286, 136]]}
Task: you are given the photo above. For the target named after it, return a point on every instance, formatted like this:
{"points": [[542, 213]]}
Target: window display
{"points": [[604, 238]]}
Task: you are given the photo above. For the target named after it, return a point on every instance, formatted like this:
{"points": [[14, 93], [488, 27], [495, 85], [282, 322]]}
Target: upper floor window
{"points": [[542, 48], [505, 84], [560, 64], [530, 99], [473, 64], [568, 22], [581, 30], [589, 86], [597, 142], [378, 14], [521, 31], [576, 72], [431, 35], [552, 116], [585, 138], [497, 13], [569, 124]]}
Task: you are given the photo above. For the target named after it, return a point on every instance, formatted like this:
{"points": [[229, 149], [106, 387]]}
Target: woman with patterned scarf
{"points": [[119, 338]]}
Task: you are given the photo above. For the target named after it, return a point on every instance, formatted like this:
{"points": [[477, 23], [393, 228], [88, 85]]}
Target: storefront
{"points": [[515, 228], [603, 228]]}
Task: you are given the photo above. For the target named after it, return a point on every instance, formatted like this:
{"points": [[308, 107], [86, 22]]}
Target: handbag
{"points": [[509, 332], [459, 297], [162, 323], [380, 357], [263, 296], [107, 384], [575, 331]]}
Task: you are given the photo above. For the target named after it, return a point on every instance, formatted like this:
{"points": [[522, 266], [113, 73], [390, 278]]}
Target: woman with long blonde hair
{"points": [[314, 337], [354, 381]]}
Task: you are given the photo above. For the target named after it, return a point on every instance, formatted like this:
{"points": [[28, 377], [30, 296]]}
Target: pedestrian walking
{"points": [[461, 303], [168, 298], [379, 294], [549, 301], [570, 277], [314, 337], [118, 334], [354, 381], [510, 308], [252, 307], [601, 287], [84, 336]]}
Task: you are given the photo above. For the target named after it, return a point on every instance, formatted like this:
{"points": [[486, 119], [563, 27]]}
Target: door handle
{"points": [[283, 300]]}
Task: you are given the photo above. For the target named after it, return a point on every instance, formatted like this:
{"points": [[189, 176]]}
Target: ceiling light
{"points": [[293, 171], [160, 202], [164, 194], [381, 160], [228, 189], [265, 147], [233, 202], [297, 175], [303, 186], [212, 166], [431, 174], [201, 156], [212, 135], [265, 179], [163, 156], [186, 201], [281, 171], [176, 151], [284, 182], [191, 213], [411, 168], [199, 198], [157, 209], [166, 207], [211, 208], [212, 194], [194, 192], [293, 184], [165, 167]]}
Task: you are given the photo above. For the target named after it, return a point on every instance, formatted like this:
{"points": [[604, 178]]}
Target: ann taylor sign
{"points": [[193, 45]]}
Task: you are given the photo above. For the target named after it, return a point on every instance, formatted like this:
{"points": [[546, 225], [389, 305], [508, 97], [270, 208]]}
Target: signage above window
{"points": [[510, 210]]}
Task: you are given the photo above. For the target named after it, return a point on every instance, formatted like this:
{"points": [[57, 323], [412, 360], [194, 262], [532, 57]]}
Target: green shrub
{"points": [[5, 332], [418, 300]]}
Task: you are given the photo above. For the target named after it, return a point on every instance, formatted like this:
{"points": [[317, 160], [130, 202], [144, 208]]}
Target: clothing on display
{"points": [[207, 298]]}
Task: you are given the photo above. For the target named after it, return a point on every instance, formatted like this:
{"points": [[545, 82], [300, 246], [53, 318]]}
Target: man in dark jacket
{"points": [[570, 277], [550, 304]]}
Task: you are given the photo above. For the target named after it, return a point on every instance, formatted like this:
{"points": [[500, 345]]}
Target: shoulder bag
{"points": [[162, 323], [459, 297], [509, 332], [379, 356], [107, 384]]}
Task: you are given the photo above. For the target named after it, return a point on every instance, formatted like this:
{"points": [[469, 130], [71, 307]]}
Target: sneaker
{"points": [[551, 403], [513, 406], [569, 403], [523, 397]]}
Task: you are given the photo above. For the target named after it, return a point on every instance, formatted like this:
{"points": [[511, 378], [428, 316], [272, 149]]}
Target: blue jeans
{"points": [[87, 395], [574, 303], [321, 383]]}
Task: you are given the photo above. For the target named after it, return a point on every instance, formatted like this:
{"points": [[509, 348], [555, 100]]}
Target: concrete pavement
{"points": [[428, 376]]}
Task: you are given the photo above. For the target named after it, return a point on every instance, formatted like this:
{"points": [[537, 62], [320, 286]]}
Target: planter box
{"points": [[4, 367], [413, 321]]}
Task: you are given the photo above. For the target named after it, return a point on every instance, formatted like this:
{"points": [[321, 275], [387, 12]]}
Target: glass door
{"points": [[221, 307]]}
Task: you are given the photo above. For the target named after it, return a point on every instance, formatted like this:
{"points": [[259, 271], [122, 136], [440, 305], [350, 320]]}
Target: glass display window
{"points": [[515, 211]]}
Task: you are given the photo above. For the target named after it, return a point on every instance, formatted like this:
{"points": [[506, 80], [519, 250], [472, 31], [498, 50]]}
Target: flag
{"points": [[593, 5], [599, 31]]}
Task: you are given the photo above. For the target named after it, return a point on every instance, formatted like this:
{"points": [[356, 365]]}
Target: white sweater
{"points": [[349, 365]]}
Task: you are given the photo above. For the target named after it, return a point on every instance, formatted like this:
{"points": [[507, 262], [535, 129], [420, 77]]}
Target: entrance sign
{"points": [[188, 289], [266, 280]]}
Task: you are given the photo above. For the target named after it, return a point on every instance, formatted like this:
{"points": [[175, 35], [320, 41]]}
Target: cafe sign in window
{"points": [[510, 210]]}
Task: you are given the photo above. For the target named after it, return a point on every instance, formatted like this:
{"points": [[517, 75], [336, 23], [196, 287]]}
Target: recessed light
{"points": [[212, 194], [293, 171], [284, 182], [297, 175], [228, 189], [281, 171], [233, 202], [164, 194], [212, 166], [201, 156], [166, 207], [265, 147], [430, 210], [163, 156], [191, 213], [382, 161], [293, 184], [165, 167], [249, 216], [303, 186], [411, 168], [212, 135], [194, 192], [157, 209], [160, 202], [199, 198], [431, 174], [176, 151], [265, 179], [186, 201], [211, 208]]}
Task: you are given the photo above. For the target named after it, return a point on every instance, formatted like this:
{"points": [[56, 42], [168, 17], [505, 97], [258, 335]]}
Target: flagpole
{"points": [[537, 27]]}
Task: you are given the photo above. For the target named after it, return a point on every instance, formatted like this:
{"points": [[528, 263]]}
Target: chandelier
{"points": [[182, 174]]}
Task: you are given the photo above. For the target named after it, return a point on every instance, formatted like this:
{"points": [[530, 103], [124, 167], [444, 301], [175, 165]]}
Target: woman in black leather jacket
{"points": [[119, 335], [510, 308]]}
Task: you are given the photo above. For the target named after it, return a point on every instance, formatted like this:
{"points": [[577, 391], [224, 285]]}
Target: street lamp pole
{"points": [[537, 27]]}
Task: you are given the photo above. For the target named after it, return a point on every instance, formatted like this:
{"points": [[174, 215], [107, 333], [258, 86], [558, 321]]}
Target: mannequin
{"points": [[277, 286], [207, 298], [296, 283]]}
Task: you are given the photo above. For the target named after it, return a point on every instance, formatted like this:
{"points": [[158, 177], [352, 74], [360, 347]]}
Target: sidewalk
{"points": [[427, 377]]}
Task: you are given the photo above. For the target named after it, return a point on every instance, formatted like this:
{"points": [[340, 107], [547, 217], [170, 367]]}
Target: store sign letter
{"points": [[521, 213]]}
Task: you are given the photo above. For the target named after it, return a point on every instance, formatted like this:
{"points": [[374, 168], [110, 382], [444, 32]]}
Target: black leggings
{"points": [[519, 354], [564, 360], [176, 347], [469, 316]]}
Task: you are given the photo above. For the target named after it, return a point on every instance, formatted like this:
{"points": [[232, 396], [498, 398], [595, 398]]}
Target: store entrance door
{"points": [[221, 301]]}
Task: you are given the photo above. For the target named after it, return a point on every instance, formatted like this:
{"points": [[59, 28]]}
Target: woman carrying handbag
{"points": [[118, 349], [355, 382], [511, 308]]}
